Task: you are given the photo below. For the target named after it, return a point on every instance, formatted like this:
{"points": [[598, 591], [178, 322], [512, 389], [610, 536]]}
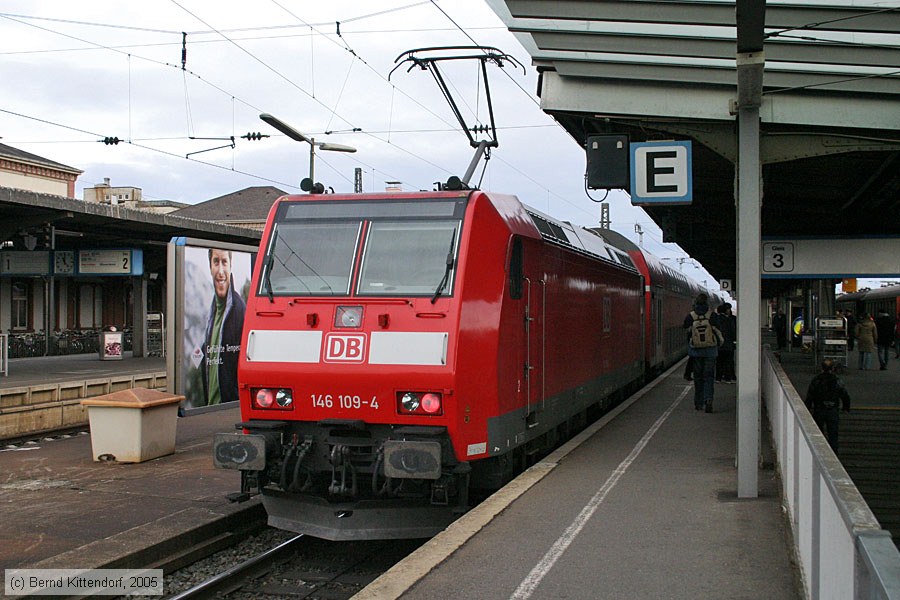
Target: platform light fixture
{"points": [[313, 144]]}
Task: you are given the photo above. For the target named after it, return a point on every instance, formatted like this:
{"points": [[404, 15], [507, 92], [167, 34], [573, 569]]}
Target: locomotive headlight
{"points": [[409, 402], [420, 403], [272, 398], [348, 316], [284, 398]]}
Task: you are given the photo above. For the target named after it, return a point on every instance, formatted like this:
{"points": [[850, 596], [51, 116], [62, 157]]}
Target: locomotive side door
{"points": [[535, 331]]}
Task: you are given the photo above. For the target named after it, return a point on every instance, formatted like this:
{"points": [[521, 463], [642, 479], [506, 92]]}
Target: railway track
{"points": [[870, 452], [303, 567]]}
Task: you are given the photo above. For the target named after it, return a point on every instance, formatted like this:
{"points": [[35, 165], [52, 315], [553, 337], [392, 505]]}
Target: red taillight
{"points": [[272, 398], [419, 403], [431, 403], [265, 398]]}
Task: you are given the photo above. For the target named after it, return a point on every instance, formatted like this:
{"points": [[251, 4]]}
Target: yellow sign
{"points": [[848, 285]]}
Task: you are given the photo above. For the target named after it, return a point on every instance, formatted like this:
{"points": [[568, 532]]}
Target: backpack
{"points": [[824, 388], [703, 333]]}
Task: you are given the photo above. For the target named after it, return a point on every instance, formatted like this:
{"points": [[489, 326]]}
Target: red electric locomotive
{"points": [[402, 349]]}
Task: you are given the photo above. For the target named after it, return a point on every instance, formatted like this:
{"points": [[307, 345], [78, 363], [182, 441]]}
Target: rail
{"points": [[841, 548]]}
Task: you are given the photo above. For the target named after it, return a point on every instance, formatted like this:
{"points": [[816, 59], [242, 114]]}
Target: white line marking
{"points": [[534, 578]]}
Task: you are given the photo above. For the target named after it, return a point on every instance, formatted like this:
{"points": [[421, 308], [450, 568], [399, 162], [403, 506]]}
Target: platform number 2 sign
{"points": [[778, 257]]}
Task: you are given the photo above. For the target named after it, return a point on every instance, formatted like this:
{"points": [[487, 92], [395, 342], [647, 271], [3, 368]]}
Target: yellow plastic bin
{"points": [[133, 425]]}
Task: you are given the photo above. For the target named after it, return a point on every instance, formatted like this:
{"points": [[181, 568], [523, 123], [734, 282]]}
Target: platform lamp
{"points": [[307, 185]]}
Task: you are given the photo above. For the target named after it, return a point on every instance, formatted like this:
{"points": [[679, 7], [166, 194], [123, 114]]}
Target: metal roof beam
{"points": [[778, 80], [874, 19], [708, 47], [654, 98]]}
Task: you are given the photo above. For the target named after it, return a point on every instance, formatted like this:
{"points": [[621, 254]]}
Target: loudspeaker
{"points": [[608, 166]]}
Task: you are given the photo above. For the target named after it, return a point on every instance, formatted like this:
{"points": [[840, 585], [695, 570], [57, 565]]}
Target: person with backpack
{"points": [[824, 397], [703, 348]]}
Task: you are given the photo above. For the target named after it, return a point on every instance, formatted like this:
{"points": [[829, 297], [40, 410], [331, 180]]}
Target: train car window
{"points": [[311, 259], [549, 229], [625, 259], [409, 258], [416, 208], [516, 270]]}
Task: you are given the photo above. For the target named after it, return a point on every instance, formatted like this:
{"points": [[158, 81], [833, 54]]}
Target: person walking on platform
{"points": [[703, 348], [851, 328], [824, 397], [725, 361], [779, 324], [897, 337], [867, 336], [885, 325]]}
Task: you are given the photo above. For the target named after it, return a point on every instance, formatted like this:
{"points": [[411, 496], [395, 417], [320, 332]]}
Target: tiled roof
{"points": [[249, 204], [22, 156]]}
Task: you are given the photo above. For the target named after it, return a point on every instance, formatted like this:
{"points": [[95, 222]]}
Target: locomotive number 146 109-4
{"points": [[346, 401]]}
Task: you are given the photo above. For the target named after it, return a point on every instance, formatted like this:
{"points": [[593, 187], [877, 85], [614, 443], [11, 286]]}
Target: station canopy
{"points": [[826, 77]]}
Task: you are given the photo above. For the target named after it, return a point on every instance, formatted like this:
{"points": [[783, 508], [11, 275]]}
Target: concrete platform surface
{"points": [[641, 506], [24, 372], [63, 510]]}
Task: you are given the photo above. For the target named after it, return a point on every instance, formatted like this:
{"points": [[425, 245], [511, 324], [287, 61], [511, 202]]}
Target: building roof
{"points": [[27, 157], [249, 204], [105, 225]]}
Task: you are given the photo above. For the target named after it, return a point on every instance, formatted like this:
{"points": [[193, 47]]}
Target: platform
{"points": [[63, 510], [640, 506], [56, 369], [44, 393]]}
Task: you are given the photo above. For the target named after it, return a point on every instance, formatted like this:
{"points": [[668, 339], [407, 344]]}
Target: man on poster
{"points": [[222, 342]]}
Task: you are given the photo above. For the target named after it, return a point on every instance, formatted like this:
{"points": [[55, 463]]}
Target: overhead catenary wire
{"points": [[202, 32], [374, 134], [151, 148], [196, 42], [171, 65]]}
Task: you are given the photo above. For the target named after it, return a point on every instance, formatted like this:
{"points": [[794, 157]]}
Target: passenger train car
{"points": [[871, 301], [404, 350]]}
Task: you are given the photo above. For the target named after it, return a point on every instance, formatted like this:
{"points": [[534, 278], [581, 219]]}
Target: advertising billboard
{"points": [[206, 307]]}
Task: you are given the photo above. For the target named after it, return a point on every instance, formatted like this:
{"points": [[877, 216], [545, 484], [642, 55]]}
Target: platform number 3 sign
{"points": [[778, 257]]}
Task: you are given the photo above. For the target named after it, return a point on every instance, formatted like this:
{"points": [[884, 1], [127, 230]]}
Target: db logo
{"points": [[341, 347]]}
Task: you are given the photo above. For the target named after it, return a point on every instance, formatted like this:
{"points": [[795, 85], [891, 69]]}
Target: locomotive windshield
{"points": [[407, 257], [408, 248], [312, 259]]}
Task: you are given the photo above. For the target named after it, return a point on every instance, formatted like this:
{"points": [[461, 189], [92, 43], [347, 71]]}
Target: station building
{"points": [[71, 267]]}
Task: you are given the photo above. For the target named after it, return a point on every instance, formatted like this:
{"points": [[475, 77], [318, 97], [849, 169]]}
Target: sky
{"points": [[76, 72]]}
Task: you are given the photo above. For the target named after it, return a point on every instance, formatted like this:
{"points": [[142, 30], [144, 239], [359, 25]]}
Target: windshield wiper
{"points": [[267, 281], [447, 270]]}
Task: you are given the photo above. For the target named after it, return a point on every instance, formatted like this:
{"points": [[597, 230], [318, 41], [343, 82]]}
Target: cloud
{"points": [[80, 82]]}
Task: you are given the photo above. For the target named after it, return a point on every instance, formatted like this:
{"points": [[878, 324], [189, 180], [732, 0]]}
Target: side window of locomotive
{"points": [[409, 258], [516, 269], [311, 259]]}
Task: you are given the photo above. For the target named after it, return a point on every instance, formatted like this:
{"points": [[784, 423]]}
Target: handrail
{"points": [[841, 549]]}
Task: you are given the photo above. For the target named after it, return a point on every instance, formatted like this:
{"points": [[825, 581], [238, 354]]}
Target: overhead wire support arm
{"points": [[229, 139], [427, 59]]}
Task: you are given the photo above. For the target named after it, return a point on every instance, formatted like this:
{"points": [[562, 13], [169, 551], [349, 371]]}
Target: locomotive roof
{"points": [[890, 291], [579, 239]]}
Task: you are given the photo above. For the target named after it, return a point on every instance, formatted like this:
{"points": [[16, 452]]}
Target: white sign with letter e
{"points": [[661, 173]]}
